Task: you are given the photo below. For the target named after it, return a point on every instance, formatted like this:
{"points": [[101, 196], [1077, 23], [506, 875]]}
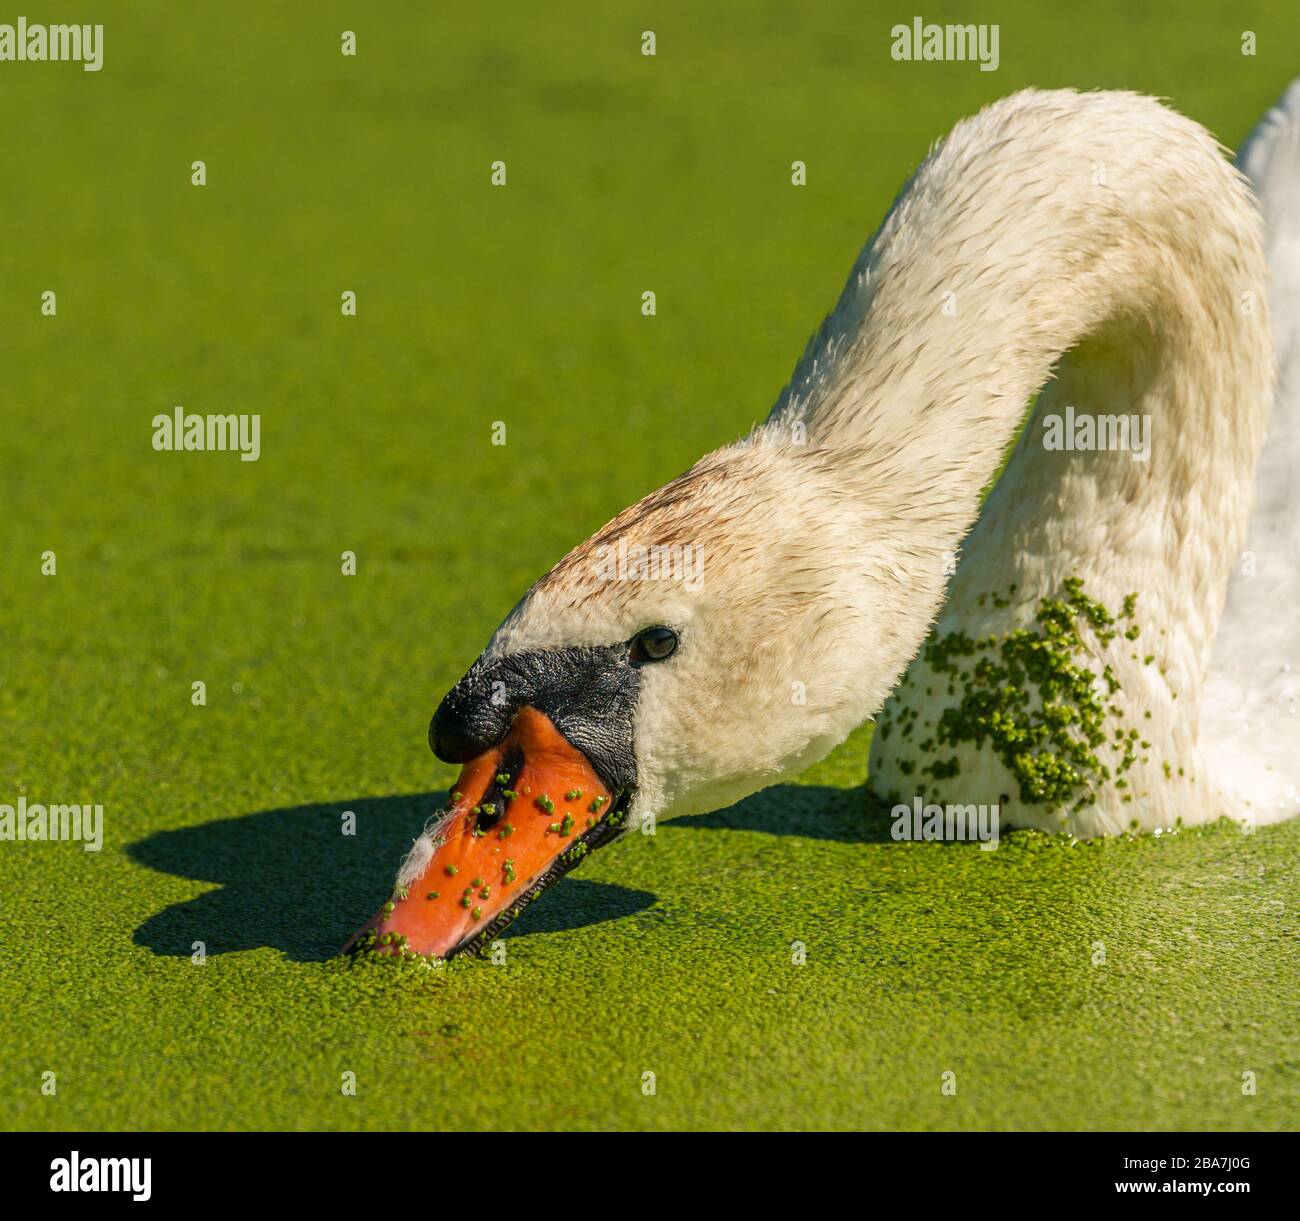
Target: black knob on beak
{"points": [[449, 736], [588, 693], [467, 722]]}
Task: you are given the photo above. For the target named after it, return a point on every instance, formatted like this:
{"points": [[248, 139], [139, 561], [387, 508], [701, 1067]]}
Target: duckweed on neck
{"points": [[1033, 695]]}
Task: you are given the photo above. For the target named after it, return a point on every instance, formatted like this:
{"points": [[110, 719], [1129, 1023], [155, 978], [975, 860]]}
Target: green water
{"points": [[670, 955]]}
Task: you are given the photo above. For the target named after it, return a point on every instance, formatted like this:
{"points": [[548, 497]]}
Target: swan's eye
{"points": [[653, 644]]}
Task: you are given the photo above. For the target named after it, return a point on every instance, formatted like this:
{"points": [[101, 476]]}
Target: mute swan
{"points": [[1092, 247]]}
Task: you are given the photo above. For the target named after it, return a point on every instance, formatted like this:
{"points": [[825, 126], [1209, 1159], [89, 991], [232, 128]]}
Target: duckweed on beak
{"points": [[533, 757]]}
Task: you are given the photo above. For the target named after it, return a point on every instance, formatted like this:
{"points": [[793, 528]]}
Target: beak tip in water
{"points": [[523, 813]]}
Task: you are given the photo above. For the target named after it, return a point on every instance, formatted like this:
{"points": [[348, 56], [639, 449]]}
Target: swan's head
{"points": [[728, 629]]}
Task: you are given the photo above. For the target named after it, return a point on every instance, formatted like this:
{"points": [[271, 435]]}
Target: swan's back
{"points": [[1251, 709]]}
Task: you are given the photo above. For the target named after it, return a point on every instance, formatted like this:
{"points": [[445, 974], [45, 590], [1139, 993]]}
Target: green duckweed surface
{"points": [[670, 955]]}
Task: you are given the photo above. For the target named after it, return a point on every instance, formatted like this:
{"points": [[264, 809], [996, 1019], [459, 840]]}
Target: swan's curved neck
{"points": [[1101, 239], [1099, 252]]}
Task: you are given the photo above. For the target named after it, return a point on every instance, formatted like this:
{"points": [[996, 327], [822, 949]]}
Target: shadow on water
{"points": [[807, 811], [289, 879]]}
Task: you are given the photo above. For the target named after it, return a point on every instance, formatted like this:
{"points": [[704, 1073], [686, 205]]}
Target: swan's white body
{"points": [[1096, 247], [1250, 720]]}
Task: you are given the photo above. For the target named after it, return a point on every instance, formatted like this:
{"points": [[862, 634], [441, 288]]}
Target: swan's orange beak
{"points": [[522, 815]]}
